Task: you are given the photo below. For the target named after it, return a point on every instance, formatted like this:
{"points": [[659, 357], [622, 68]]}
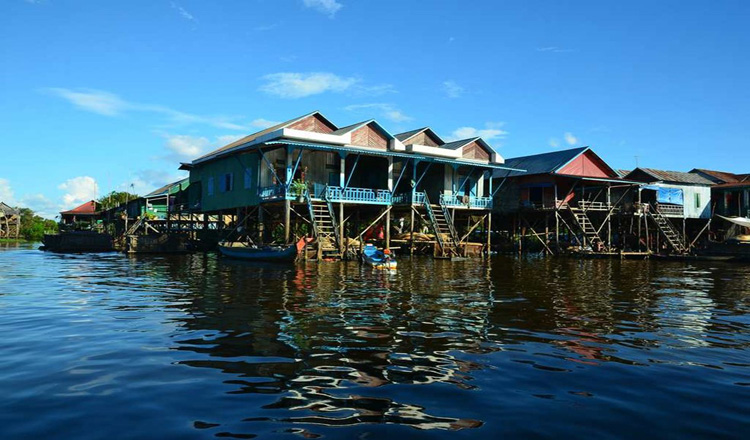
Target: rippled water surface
{"points": [[195, 346]]}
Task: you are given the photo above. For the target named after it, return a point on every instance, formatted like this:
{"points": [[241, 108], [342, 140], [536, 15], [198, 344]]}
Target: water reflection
{"points": [[437, 348]]}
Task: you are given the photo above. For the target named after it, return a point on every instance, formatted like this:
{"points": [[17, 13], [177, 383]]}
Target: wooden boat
{"points": [[378, 259], [78, 241], [274, 254]]}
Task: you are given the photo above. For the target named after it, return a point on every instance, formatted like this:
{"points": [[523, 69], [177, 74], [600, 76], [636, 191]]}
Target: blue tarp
{"points": [[668, 195]]}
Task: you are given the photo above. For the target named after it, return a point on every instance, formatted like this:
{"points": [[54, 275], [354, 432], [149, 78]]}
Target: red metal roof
{"points": [[89, 208]]}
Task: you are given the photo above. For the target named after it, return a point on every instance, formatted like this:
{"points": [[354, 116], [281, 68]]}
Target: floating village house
{"points": [[10, 221], [678, 203], [730, 197], [572, 194], [89, 212], [309, 176]]}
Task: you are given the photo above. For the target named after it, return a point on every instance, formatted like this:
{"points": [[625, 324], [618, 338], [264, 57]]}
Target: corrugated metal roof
{"points": [[455, 145], [348, 128], [408, 134], [544, 163], [720, 176], [675, 176], [8, 210], [385, 153], [254, 136], [89, 207], [165, 189]]}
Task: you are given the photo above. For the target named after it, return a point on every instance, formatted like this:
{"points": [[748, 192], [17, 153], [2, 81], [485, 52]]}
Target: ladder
{"points": [[324, 227], [585, 225], [674, 238], [449, 221], [441, 227]]}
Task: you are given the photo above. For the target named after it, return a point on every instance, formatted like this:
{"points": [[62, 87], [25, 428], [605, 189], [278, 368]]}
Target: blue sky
{"points": [[99, 95]]}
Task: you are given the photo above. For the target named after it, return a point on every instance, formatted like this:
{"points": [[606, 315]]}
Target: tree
{"points": [[115, 199], [34, 227]]}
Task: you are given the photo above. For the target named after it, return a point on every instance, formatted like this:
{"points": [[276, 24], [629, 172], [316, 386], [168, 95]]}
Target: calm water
{"points": [[194, 346]]}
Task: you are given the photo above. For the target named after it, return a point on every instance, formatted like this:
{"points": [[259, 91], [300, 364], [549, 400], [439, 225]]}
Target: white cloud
{"points": [[491, 130], [298, 85], [553, 49], [6, 192], [42, 206], [227, 139], [183, 13], [109, 104], [187, 147], [570, 139], [554, 143], [97, 101], [263, 123], [145, 181], [328, 7], [79, 189], [452, 89], [387, 111]]}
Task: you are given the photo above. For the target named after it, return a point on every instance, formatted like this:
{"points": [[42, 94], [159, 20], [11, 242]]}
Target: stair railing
{"points": [[449, 220], [433, 220]]}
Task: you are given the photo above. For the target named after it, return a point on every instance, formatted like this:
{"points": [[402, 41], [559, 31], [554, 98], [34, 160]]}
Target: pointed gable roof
{"points": [[89, 208], [555, 162], [544, 163], [405, 136], [678, 177], [353, 127], [8, 210], [720, 176], [255, 136]]}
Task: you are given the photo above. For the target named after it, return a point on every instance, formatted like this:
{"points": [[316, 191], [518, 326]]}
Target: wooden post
{"points": [[388, 229], [261, 226], [411, 232], [489, 233], [287, 219], [342, 245]]}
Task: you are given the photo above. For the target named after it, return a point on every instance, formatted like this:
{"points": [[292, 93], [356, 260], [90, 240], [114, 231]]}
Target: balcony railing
{"points": [[358, 195], [332, 193], [272, 192], [671, 210], [461, 201], [416, 198]]}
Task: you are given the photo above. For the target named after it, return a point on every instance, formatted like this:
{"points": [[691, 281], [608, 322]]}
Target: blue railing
{"points": [[416, 198], [454, 200], [273, 192], [358, 195]]}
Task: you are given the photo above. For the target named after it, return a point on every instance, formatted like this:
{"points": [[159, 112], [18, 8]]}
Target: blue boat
{"points": [[379, 259], [243, 251]]}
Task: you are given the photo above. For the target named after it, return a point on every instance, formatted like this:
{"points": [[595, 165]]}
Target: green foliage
{"points": [[34, 227], [115, 199], [297, 187]]}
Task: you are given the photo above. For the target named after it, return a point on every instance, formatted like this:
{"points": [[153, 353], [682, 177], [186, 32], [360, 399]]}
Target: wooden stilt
{"points": [[287, 219]]}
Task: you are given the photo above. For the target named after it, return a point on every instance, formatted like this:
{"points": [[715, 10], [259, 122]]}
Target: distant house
{"points": [[10, 221], [553, 180], [87, 212], [674, 193], [730, 194]]}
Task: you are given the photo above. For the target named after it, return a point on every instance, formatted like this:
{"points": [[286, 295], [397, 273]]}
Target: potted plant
{"points": [[298, 188]]}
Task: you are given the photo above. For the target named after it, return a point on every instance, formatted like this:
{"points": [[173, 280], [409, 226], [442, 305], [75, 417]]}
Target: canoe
{"points": [[378, 259], [265, 253], [273, 254]]}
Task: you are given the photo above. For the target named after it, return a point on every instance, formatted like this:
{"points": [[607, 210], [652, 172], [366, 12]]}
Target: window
{"points": [[333, 179], [248, 178], [697, 200], [210, 186], [226, 182]]}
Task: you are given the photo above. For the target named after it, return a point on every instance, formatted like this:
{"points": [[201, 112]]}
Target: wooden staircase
{"points": [[442, 226], [585, 225], [325, 228], [668, 231]]}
